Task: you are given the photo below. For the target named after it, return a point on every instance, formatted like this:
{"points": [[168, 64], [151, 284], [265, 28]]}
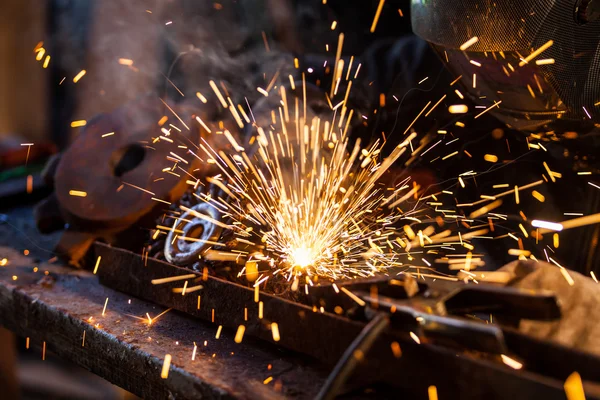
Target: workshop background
{"points": [[131, 49]]}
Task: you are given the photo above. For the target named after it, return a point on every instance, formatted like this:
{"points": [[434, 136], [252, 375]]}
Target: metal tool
{"points": [[107, 180]]}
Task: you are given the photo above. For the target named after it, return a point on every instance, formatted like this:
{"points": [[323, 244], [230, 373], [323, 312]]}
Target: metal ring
{"points": [[181, 251]]}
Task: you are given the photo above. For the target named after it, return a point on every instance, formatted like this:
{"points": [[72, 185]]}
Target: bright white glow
{"points": [[302, 257], [553, 226], [511, 362], [458, 109]]}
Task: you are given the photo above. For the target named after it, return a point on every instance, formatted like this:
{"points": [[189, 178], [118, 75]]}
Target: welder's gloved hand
{"points": [[578, 327]]}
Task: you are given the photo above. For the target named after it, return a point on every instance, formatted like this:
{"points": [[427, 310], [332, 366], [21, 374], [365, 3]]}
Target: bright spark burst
{"points": [[315, 201], [305, 199]]}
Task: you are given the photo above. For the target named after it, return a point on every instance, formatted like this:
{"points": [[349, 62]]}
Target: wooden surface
{"points": [[122, 347]]}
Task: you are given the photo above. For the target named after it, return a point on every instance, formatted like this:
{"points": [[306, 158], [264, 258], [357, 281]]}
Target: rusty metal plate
{"points": [[118, 172]]}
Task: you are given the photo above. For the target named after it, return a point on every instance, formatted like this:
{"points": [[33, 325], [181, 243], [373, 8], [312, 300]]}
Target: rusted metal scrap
{"points": [[105, 182]]}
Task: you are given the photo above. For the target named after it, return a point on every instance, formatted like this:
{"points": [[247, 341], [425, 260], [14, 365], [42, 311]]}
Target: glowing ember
{"points": [[302, 256]]}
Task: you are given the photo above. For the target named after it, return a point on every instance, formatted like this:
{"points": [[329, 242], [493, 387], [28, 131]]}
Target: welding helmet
{"points": [[557, 89]]}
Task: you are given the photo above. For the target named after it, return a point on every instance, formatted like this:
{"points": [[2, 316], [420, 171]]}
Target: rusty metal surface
{"points": [[325, 336], [129, 352], [231, 303], [104, 166]]}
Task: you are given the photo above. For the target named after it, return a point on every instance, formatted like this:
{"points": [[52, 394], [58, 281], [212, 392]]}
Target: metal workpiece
{"points": [[63, 309], [106, 181], [421, 346], [191, 236]]}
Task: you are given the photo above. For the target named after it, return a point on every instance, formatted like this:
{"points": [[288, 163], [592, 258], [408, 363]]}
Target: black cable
{"points": [[348, 363]]}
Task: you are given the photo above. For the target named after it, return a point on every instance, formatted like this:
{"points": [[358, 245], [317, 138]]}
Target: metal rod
{"points": [[352, 357]]}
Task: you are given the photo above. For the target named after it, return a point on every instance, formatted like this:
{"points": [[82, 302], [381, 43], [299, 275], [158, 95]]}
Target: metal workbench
{"points": [[60, 307]]}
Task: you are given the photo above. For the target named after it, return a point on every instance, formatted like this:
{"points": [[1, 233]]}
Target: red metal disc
{"points": [[121, 173]]}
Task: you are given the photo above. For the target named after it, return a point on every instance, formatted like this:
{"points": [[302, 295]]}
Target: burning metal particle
{"points": [[40, 54], [415, 337], [97, 264], [511, 362], [519, 252], [396, 350], [432, 392], [458, 109], [104, 309], [469, 43], [194, 351], [434, 106], [186, 289], [538, 196], [275, 331], [496, 104], [164, 374], [354, 297], [547, 225], [377, 14], [567, 276], [172, 279], [574, 387], [239, 335], [79, 76], [536, 53], [214, 87], [450, 155], [545, 61], [78, 123]]}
